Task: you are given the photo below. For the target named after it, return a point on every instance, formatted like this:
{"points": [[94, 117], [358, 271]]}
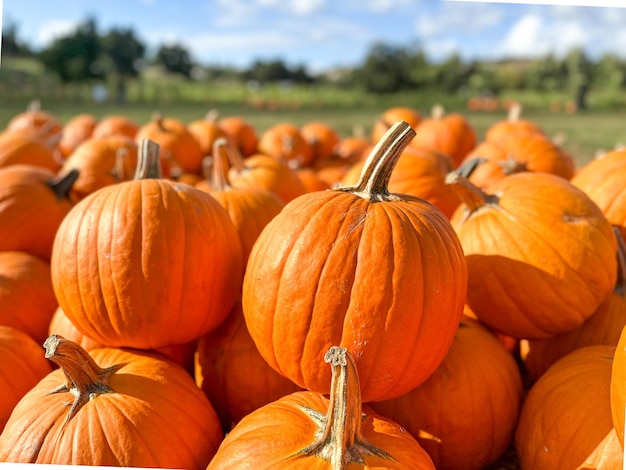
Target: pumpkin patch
{"points": [[208, 294]]}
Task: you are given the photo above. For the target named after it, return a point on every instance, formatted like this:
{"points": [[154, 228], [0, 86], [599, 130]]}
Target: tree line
{"points": [[118, 55]]}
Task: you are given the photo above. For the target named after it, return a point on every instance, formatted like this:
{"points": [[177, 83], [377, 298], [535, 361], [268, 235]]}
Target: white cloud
{"points": [[55, 28], [525, 38], [440, 49], [380, 6], [451, 17], [298, 7]]}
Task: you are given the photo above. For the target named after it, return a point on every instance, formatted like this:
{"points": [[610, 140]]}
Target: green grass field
{"points": [[584, 133]]}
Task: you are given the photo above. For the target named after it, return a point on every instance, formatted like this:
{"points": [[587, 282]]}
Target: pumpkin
{"points": [[284, 141], [603, 327], [100, 162], [378, 273], [567, 412], [241, 133], [33, 202], [250, 209], [76, 131], [392, 115], [465, 414], [36, 122], [513, 124], [206, 131], [265, 172], [449, 134], [111, 408], [178, 146], [232, 373], [602, 179], [533, 233], [147, 263], [116, 124], [19, 149], [311, 180], [27, 300], [22, 366], [618, 387], [322, 138], [305, 430]]}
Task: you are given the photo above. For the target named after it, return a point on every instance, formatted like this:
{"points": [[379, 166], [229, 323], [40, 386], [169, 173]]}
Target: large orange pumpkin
{"points": [[305, 431], [206, 131], [147, 263], [76, 131], [618, 387], [112, 408], [378, 273], [465, 414], [22, 366], [392, 115], [36, 122], [33, 203], [20, 149], [567, 413], [241, 133], [116, 124], [541, 256], [284, 141]]}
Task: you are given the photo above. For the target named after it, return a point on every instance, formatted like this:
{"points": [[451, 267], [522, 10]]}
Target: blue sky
{"points": [[323, 34]]}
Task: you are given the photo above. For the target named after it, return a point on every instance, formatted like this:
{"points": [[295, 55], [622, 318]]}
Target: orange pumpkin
{"points": [[567, 413], [392, 115], [140, 411], [76, 131], [618, 387], [232, 373], [36, 122], [513, 124], [534, 233], [33, 203], [447, 413], [178, 146], [322, 138], [305, 430], [100, 162], [19, 149], [22, 366], [27, 300], [155, 263], [449, 134], [116, 124], [603, 327], [602, 179], [206, 131], [284, 141], [331, 269], [241, 133]]}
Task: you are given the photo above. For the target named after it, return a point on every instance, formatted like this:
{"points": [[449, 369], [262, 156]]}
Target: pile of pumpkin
{"points": [[208, 296]]}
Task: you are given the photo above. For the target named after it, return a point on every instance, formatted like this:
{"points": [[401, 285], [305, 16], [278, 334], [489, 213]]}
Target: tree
{"points": [[11, 45], [386, 69], [579, 75], [176, 59], [76, 56], [124, 52]]}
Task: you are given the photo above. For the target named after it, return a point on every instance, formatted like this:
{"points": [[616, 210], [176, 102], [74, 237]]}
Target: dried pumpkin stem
{"points": [[235, 158], [148, 161], [341, 442], [219, 178], [62, 186], [374, 179], [472, 196], [84, 378]]}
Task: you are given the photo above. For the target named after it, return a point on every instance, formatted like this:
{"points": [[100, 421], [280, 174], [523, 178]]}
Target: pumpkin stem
{"points": [[118, 170], [374, 179], [342, 441], [62, 186], [620, 285], [235, 158], [467, 168], [34, 106], [212, 115], [148, 161], [511, 165], [158, 118], [437, 112], [84, 378], [219, 178], [472, 196], [515, 112]]}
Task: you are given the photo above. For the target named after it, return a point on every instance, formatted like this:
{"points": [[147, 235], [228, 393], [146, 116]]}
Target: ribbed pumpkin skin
{"points": [[567, 411], [618, 387], [267, 437], [386, 280], [156, 417], [540, 260], [470, 403], [602, 180], [22, 366], [147, 263]]}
